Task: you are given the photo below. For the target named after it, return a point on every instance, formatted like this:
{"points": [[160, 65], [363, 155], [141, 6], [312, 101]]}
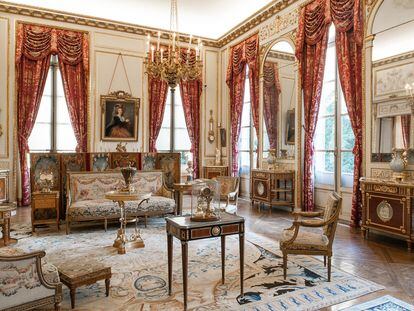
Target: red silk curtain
{"points": [[271, 94], [190, 96], [157, 89], [34, 46], [348, 20], [311, 45], [406, 125], [73, 56], [242, 54]]}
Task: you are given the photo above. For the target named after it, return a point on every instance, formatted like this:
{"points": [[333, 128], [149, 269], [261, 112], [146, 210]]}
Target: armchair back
{"points": [[331, 214]]}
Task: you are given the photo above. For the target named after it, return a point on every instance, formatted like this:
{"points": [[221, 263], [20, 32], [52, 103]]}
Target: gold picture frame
{"points": [[120, 116]]}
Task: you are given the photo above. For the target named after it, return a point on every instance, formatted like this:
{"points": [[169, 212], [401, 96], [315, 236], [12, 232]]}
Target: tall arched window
{"points": [[334, 138], [173, 135], [53, 130]]}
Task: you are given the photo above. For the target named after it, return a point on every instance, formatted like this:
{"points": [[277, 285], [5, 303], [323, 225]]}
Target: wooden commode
{"points": [[45, 201], [387, 206]]}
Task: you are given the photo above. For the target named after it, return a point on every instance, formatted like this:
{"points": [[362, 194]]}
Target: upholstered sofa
{"points": [[26, 283], [86, 196]]}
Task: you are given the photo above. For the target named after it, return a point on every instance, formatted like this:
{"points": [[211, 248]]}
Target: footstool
{"points": [[74, 274]]}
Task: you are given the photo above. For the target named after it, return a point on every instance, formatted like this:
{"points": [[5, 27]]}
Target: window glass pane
{"points": [[246, 115], [41, 137], [266, 143], [48, 86], [347, 135], [163, 140], [62, 113], [65, 138], [244, 140], [324, 167], [327, 106], [179, 120], [347, 169], [246, 97], [325, 134], [59, 85], [166, 122], [244, 163], [344, 109], [330, 64], [44, 115], [181, 139]]}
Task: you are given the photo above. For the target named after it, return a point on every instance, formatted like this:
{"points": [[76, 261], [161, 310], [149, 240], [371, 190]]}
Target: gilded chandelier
{"points": [[171, 63]]}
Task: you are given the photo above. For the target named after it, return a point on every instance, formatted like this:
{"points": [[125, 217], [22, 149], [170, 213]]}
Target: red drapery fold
{"points": [[271, 93], [73, 56], [348, 20], [191, 95], [311, 45], [157, 89], [406, 125], [246, 52], [34, 46]]}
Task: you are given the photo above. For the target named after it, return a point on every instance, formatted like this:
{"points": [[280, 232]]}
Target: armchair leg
{"points": [[329, 268], [284, 266], [106, 225], [67, 227], [57, 306], [324, 261]]}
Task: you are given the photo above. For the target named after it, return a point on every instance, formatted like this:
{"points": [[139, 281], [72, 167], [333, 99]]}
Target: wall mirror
{"points": [[392, 78], [279, 100]]}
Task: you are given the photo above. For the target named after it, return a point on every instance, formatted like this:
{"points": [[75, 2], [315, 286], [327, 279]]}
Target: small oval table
{"points": [[6, 212], [122, 241]]}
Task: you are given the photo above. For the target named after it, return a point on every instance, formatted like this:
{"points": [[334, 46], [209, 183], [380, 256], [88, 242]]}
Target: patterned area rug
{"points": [[384, 303], [139, 280]]}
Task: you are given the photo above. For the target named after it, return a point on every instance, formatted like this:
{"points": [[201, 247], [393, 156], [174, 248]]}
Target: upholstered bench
{"points": [[86, 196], [75, 274]]}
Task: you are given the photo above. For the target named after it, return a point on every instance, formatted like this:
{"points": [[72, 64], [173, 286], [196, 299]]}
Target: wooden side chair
{"points": [[295, 241], [229, 191]]}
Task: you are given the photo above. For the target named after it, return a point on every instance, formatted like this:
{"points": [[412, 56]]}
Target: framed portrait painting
{"points": [[120, 114]]}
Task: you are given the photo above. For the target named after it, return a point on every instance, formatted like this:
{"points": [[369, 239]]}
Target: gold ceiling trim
{"points": [[254, 21], [84, 20]]}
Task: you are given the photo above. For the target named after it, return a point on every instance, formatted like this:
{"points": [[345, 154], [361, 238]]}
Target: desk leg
{"points": [[180, 203], [170, 261], [223, 258], [241, 247], [6, 231], [184, 249]]}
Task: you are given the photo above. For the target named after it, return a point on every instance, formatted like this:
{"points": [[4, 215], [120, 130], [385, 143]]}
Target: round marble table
{"points": [[122, 242], [7, 210]]}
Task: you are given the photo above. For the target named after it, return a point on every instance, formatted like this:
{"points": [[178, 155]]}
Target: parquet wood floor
{"points": [[381, 259]]}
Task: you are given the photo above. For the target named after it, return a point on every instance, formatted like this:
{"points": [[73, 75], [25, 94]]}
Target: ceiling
{"points": [[209, 19]]}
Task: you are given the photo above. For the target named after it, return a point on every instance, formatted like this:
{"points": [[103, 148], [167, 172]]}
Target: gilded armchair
{"points": [[26, 284], [229, 191], [316, 242]]}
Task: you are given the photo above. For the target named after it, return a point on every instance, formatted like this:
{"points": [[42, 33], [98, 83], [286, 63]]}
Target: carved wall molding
{"points": [[393, 59], [278, 24], [382, 173], [281, 55]]}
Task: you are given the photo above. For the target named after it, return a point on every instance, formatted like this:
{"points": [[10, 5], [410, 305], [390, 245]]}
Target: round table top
{"points": [[127, 196], [7, 207]]}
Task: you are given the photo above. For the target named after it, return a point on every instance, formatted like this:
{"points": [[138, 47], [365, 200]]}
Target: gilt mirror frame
{"points": [[264, 50], [370, 167], [295, 163]]}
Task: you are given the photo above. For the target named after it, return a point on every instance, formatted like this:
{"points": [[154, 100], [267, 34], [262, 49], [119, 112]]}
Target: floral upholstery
{"points": [[106, 208], [86, 194], [306, 240], [20, 282], [312, 236]]}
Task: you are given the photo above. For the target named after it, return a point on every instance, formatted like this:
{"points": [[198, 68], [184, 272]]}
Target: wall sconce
{"points": [[211, 133]]}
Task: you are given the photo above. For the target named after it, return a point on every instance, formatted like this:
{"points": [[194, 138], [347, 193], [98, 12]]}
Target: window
{"points": [[334, 138], [52, 130], [248, 137], [176, 140]]}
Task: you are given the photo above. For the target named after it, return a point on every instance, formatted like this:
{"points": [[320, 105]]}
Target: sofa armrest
{"points": [[23, 273]]}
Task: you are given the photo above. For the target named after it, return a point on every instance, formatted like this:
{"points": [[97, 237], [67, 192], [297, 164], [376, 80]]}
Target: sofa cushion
{"points": [[106, 208], [93, 186]]}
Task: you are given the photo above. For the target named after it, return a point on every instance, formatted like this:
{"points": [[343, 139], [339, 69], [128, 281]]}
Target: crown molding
{"points": [[84, 20], [255, 20]]}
